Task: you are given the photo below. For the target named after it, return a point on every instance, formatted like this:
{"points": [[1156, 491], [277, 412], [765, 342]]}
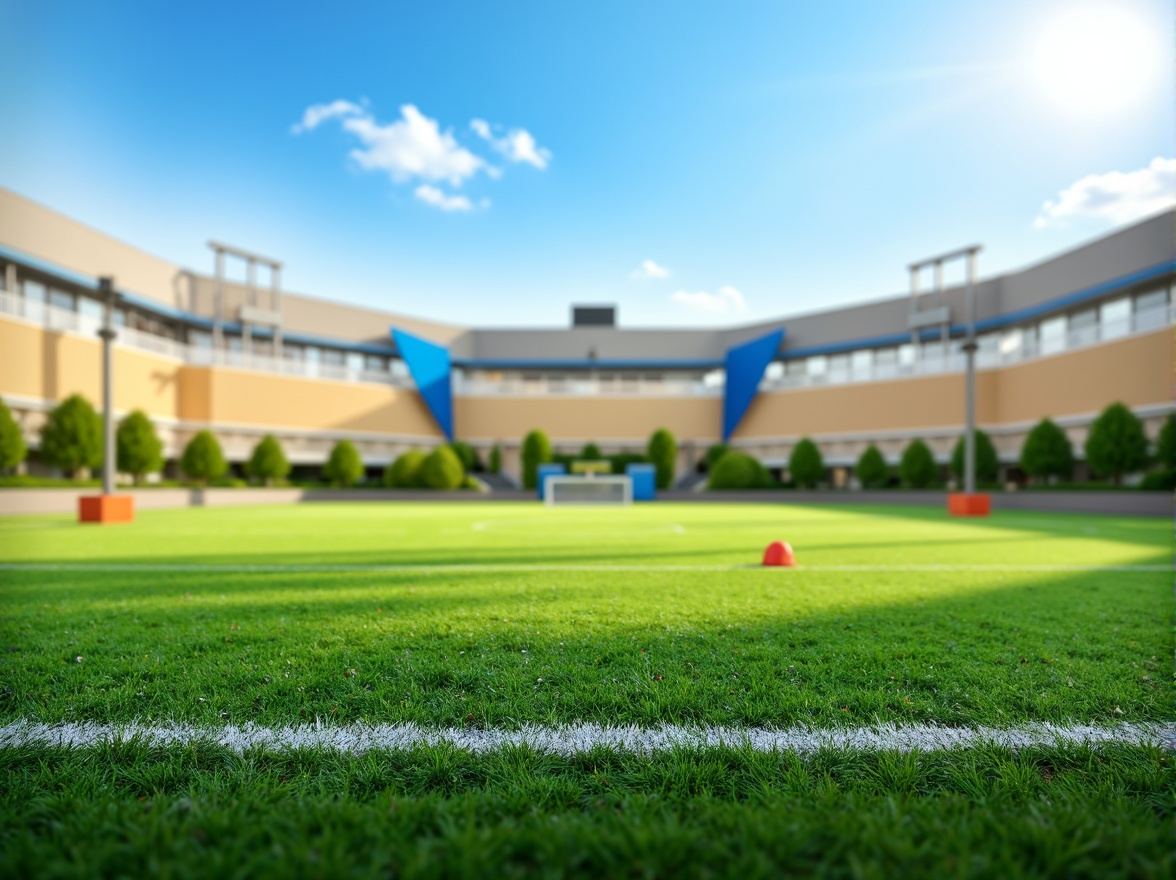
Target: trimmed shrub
{"points": [[1047, 452], [1116, 444], [713, 455], [202, 459], [344, 467], [12, 443], [442, 469], [268, 461], [1161, 480], [622, 460], [987, 463], [536, 451], [805, 465], [1165, 444], [405, 472], [72, 437], [871, 469], [495, 463], [918, 469], [138, 450], [466, 455], [737, 470], [591, 452], [663, 454]]}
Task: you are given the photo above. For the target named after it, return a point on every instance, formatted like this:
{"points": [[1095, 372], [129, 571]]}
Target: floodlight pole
{"points": [[970, 379], [106, 334]]}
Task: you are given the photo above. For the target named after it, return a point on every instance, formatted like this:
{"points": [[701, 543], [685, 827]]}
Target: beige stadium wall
{"points": [[40, 232], [1137, 370]]}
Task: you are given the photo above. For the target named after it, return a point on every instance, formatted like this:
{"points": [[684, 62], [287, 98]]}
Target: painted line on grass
{"points": [[579, 738], [490, 567]]}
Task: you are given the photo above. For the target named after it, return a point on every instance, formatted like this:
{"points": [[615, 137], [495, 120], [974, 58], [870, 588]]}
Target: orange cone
{"points": [[779, 553]]}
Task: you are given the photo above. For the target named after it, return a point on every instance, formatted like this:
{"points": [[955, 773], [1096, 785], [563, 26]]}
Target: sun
{"points": [[1096, 59]]}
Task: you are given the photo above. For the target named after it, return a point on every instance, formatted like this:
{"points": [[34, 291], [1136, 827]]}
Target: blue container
{"points": [[644, 477], [544, 471]]}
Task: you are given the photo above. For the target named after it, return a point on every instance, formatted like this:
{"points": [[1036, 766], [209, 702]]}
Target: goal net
{"points": [[588, 490]]}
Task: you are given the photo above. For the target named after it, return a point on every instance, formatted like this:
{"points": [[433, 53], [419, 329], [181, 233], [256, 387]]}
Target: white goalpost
{"points": [[594, 490]]}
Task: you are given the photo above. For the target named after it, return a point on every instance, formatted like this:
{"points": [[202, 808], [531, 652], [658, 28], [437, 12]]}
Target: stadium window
{"points": [[354, 361], [374, 363], [199, 339], [714, 379], [1084, 326], [33, 291], [61, 300], [906, 354], [90, 308], [293, 352], [839, 363], [1114, 318], [1011, 342], [233, 344], [1153, 299], [775, 371], [795, 367], [818, 365], [862, 361], [332, 357], [399, 369], [119, 318], [886, 357], [1053, 335]]}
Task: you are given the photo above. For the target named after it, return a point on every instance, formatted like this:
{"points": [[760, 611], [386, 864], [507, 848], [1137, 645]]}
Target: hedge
{"points": [[405, 471], [737, 470], [442, 470]]}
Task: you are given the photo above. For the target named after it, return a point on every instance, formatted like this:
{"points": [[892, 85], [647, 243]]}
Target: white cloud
{"points": [[727, 301], [1117, 196], [650, 269], [430, 195], [319, 113], [517, 145]]}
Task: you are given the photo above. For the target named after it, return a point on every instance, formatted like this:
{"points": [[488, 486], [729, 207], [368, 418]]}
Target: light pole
{"points": [[106, 334], [107, 507], [968, 502]]}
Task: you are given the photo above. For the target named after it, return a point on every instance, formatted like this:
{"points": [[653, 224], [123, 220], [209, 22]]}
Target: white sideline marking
{"points": [[426, 568], [578, 738]]}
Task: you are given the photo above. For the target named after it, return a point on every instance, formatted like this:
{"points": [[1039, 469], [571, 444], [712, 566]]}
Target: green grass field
{"points": [[487, 617]]}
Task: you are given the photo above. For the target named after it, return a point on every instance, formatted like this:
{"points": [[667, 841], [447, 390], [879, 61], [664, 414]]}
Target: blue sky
{"points": [[770, 157]]}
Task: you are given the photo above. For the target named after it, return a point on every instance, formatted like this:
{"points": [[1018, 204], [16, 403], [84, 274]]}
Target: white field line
{"points": [[579, 738], [459, 568]]}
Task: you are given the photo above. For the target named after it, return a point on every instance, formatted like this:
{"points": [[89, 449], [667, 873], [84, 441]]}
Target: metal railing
{"points": [[587, 387], [995, 351], [66, 321]]}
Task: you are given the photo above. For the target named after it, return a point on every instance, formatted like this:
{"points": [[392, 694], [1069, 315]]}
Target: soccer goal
{"points": [[564, 490]]}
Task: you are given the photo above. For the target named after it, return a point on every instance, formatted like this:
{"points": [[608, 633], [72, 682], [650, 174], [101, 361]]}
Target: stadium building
{"points": [[1062, 338]]}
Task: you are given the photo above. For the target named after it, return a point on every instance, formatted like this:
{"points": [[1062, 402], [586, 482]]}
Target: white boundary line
{"points": [[579, 738], [425, 568]]}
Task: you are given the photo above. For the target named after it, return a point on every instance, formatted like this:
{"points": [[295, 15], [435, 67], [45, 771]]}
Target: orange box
{"points": [[963, 504], [106, 508]]}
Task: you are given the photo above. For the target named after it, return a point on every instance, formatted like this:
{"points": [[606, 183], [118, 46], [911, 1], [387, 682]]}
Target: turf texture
{"points": [[502, 615]]}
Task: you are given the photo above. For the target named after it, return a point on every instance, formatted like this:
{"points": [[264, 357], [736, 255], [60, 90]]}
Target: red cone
{"points": [[779, 553]]}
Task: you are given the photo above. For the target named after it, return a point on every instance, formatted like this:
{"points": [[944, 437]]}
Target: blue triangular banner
{"points": [[431, 369], [745, 366]]}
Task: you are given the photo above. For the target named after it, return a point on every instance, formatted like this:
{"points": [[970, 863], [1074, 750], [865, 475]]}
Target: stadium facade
{"points": [[1062, 338]]}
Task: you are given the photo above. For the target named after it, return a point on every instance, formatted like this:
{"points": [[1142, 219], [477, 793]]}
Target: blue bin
{"points": [[545, 471], [644, 477]]}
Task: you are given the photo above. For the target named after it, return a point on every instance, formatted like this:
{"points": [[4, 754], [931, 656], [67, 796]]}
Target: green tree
{"points": [[591, 452], [663, 455], [344, 467], [466, 455], [442, 469], [536, 451], [494, 465], [713, 454], [405, 472], [12, 443], [1047, 452], [139, 450], [917, 468], [1165, 443], [202, 459], [268, 462], [871, 469], [1116, 444], [987, 463], [738, 470], [72, 437], [806, 465]]}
